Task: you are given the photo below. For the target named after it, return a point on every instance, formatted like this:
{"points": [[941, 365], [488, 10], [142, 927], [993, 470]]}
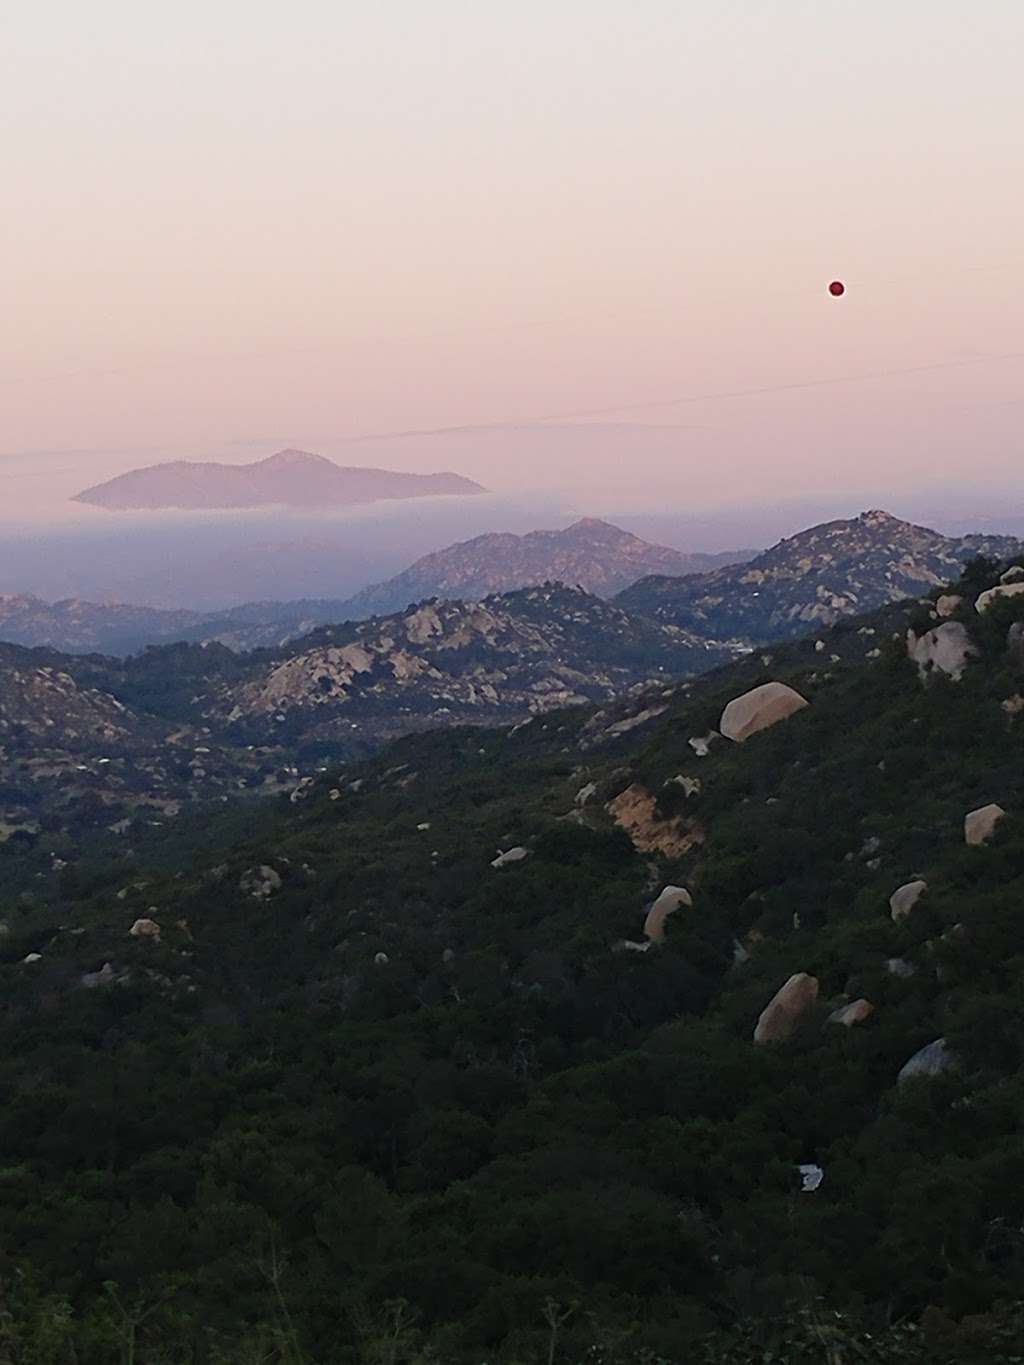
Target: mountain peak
{"points": [[291, 457]]}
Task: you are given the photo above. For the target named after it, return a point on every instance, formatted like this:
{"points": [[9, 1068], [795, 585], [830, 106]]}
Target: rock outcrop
{"points": [[947, 604], [946, 649], [758, 709], [668, 902], [997, 594], [853, 1013], [904, 898], [145, 928], [932, 1060], [980, 824], [636, 811], [786, 1008]]}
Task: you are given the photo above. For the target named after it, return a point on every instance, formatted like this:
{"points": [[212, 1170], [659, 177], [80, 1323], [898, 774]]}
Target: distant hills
{"points": [[291, 478], [590, 554], [813, 578], [809, 580]]}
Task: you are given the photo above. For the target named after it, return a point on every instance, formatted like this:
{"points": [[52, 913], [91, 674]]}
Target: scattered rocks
{"points": [[758, 709], [946, 649], [512, 855], [701, 744], [691, 785], [786, 1008], [667, 903], [33, 957], [260, 882], [904, 898], [635, 811], [423, 826], [854, 1013], [993, 595], [947, 604], [980, 824], [932, 1060], [584, 795], [1014, 705], [145, 928]]}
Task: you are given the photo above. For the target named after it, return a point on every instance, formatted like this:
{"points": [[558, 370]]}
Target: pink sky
{"points": [[230, 226]]}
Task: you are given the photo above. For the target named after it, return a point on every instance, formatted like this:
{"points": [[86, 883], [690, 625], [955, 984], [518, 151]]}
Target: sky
{"points": [[233, 226]]}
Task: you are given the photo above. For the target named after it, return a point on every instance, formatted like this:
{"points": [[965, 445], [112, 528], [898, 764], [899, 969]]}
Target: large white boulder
{"points": [[786, 1008], [946, 649], [993, 595], [904, 898], [668, 902], [758, 709], [932, 1060], [980, 824], [947, 604], [511, 855], [1014, 574]]}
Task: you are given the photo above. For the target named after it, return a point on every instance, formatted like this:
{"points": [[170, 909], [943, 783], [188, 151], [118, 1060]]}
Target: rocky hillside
{"points": [[291, 478], [591, 554], [439, 663], [813, 578], [184, 721], [76, 627], [686, 1027]]}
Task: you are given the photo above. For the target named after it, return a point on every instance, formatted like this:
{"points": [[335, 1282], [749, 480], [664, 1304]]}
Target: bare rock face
{"points": [[946, 649], [947, 604], [260, 882], [993, 595], [904, 898], [668, 902], [145, 928], [932, 1060], [758, 709], [1014, 574], [787, 1007], [980, 824], [635, 810], [854, 1013]]}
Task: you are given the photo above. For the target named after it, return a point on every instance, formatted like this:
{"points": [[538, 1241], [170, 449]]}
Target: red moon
{"points": [[837, 289]]}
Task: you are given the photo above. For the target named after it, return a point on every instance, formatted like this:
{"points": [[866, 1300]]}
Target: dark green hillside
{"points": [[401, 1104]]}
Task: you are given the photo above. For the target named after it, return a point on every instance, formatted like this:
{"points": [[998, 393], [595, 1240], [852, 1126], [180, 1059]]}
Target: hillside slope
{"points": [[435, 1093], [813, 578]]}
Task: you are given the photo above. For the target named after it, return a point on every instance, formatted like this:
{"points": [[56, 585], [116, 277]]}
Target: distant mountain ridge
{"points": [[813, 578], [593, 554], [291, 478], [590, 553]]}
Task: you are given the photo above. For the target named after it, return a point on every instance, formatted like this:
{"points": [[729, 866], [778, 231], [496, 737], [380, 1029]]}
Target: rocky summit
{"points": [[814, 578]]}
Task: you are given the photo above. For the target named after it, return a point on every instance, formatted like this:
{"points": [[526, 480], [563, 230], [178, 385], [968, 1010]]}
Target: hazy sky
{"points": [[230, 225]]}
